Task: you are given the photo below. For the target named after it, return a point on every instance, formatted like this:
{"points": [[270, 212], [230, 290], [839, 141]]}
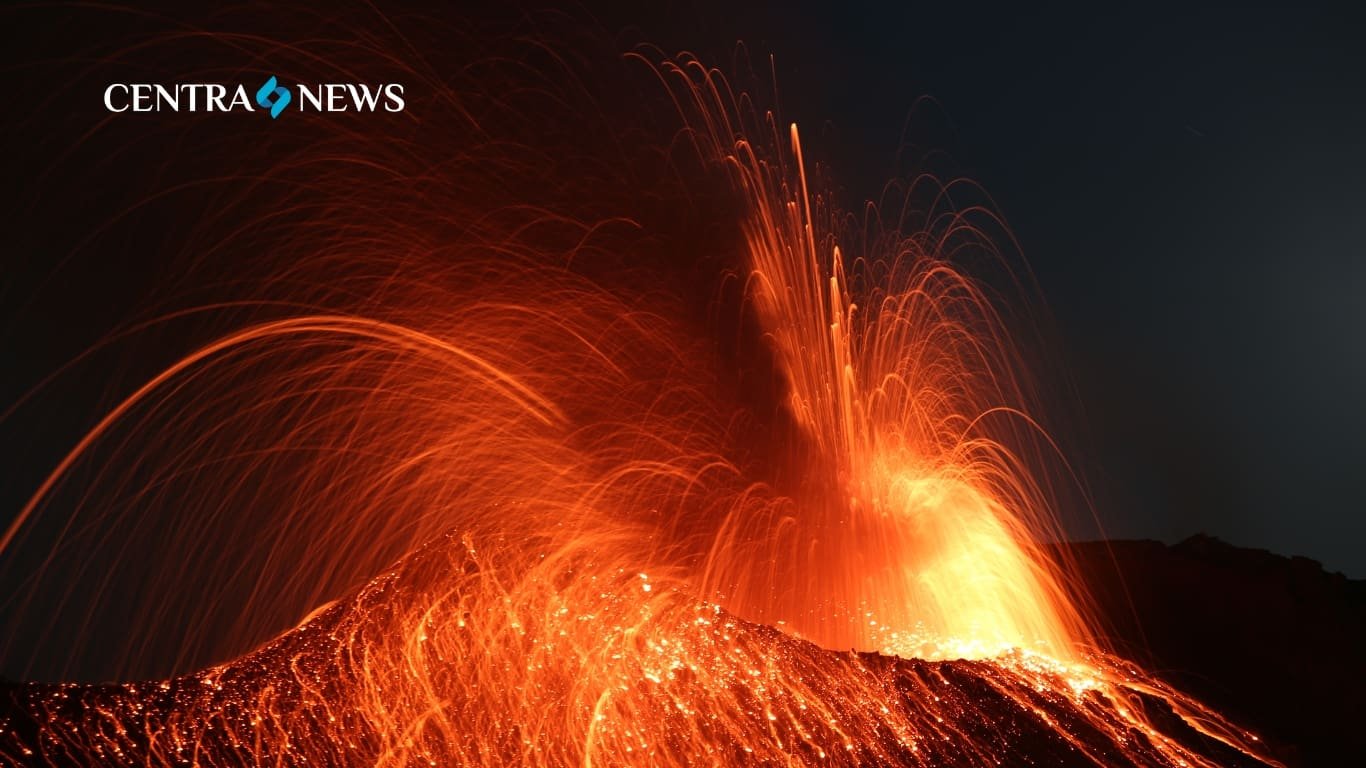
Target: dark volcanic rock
{"points": [[1275, 643]]}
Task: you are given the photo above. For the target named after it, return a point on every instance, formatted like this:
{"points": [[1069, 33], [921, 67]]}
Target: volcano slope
{"points": [[438, 662], [1272, 642]]}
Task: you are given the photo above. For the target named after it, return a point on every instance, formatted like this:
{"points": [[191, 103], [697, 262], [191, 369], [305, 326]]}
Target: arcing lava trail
{"points": [[586, 571]]}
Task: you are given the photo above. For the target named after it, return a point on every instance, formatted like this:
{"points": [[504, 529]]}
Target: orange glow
{"points": [[561, 561]]}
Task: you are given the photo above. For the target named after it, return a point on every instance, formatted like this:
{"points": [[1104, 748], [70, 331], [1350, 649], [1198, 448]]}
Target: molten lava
{"points": [[568, 564]]}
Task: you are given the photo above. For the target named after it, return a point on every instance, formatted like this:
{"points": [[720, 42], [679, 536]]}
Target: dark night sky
{"points": [[1189, 187]]}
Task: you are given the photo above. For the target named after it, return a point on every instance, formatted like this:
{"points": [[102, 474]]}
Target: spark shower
{"points": [[490, 490]]}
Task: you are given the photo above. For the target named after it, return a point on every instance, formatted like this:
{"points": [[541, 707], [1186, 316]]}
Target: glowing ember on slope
{"points": [[403, 674], [615, 586]]}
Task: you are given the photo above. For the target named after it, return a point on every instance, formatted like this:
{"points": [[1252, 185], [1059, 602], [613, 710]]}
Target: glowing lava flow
{"points": [[566, 660], [580, 573]]}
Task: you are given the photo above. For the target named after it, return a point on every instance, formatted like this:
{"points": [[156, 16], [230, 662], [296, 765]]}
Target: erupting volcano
{"points": [[541, 520]]}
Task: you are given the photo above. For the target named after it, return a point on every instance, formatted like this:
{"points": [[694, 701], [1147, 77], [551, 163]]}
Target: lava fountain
{"points": [[565, 559], [913, 530]]}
